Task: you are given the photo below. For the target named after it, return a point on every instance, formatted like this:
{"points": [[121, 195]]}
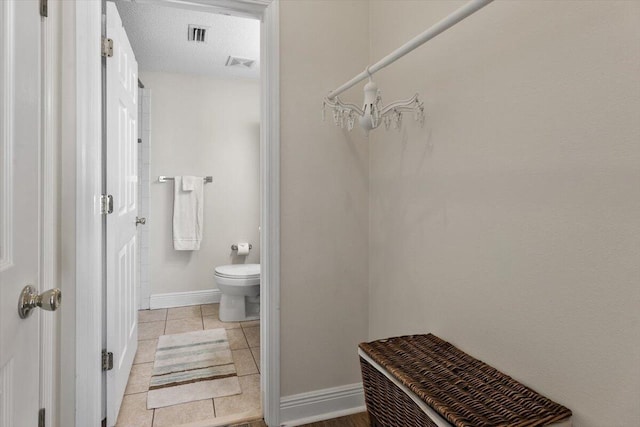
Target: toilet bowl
{"points": [[239, 285]]}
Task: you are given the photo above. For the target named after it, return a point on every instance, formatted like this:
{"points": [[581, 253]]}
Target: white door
{"points": [[19, 210], [122, 184]]}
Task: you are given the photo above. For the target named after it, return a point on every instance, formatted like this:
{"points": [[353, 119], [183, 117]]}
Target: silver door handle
{"points": [[142, 221], [29, 299]]}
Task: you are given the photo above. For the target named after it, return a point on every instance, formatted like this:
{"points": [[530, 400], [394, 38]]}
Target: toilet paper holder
{"points": [[235, 247]]}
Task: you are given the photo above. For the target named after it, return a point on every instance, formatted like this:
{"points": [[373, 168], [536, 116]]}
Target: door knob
{"points": [[29, 299], [142, 221]]}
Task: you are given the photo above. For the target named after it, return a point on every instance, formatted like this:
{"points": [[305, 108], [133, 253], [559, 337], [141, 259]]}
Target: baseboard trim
{"points": [[321, 405], [181, 299]]}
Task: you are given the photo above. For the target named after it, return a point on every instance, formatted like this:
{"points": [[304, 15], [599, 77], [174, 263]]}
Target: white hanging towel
{"points": [[188, 213], [189, 182]]}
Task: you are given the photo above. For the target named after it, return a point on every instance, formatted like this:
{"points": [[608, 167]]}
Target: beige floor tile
{"points": [[250, 323], [152, 315], [139, 378], [243, 359], [146, 351], [248, 400], [183, 325], [253, 336], [184, 312], [210, 309], [150, 330], [134, 412], [212, 322], [236, 339], [171, 416], [255, 351]]}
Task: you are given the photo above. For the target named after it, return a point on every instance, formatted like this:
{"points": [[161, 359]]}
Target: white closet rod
{"points": [[448, 22]]}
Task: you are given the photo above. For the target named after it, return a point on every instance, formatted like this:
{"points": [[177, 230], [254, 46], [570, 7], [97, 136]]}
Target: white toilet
{"points": [[240, 288]]}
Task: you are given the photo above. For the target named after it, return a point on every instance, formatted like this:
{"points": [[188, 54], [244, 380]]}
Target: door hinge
{"points": [[106, 204], [107, 360], [107, 47], [44, 8], [41, 418]]}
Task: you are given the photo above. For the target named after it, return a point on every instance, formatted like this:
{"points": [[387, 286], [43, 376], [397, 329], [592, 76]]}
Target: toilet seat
{"points": [[238, 271]]}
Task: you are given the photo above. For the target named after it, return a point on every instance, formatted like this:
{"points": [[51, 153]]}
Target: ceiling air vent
{"points": [[234, 61], [198, 33]]}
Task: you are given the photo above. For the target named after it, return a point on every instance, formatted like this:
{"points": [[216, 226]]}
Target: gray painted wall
{"points": [[324, 198], [509, 224]]}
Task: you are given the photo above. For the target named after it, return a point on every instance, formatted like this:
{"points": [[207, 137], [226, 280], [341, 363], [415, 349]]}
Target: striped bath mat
{"points": [[192, 366]]}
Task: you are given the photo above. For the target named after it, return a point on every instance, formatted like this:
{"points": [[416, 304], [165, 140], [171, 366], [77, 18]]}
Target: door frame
{"points": [[81, 183], [81, 270]]}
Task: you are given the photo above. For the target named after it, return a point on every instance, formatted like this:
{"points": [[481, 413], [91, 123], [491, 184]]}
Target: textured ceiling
{"points": [[158, 35]]}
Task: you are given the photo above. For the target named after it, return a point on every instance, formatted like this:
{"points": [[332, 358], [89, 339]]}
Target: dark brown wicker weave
{"points": [[463, 390]]}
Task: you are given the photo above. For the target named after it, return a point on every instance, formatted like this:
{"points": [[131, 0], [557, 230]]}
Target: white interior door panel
{"points": [[20, 145], [122, 185]]}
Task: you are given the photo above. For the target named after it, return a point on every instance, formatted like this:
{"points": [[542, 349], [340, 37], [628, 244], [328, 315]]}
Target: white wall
{"points": [[324, 198], [509, 224], [202, 126]]}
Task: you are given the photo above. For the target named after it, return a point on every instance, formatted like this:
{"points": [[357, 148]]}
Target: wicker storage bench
{"points": [[422, 380]]}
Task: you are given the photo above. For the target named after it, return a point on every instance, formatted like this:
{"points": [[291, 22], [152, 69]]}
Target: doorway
{"points": [[81, 403], [123, 255], [199, 115]]}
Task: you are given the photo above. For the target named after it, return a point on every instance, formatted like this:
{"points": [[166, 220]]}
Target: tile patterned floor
{"points": [[244, 341]]}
